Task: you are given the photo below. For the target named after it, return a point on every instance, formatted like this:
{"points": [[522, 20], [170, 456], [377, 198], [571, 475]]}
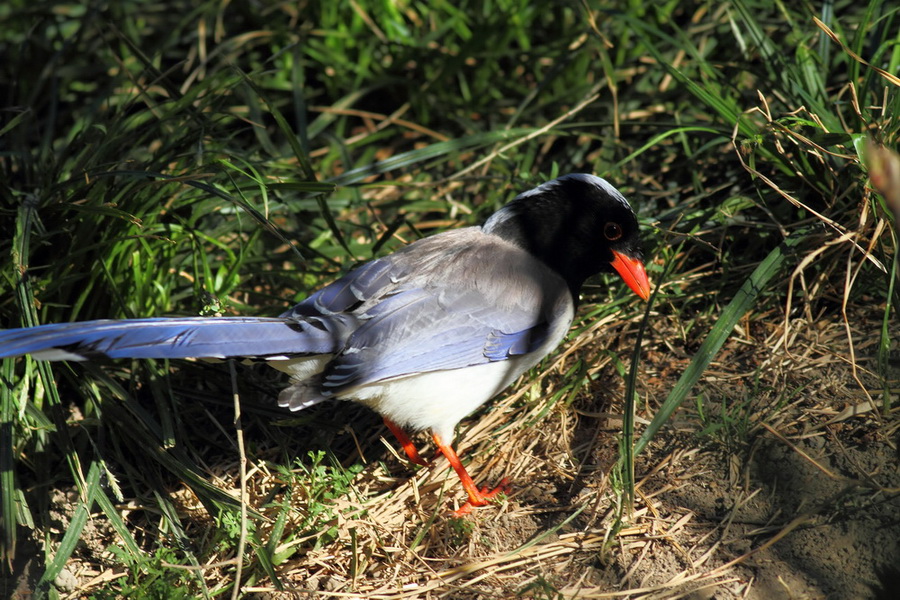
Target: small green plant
{"points": [[461, 529], [153, 578], [729, 424], [228, 530], [312, 485]]}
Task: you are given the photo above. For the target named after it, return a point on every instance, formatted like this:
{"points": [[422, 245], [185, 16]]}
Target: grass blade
{"points": [[436, 150], [739, 305], [73, 532], [627, 447], [8, 526]]}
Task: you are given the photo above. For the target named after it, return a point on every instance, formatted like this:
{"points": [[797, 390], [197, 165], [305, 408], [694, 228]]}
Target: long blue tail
{"points": [[194, 337]]}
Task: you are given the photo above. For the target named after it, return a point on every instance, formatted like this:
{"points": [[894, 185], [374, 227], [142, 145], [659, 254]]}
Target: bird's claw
{"points": [[484, 497]]}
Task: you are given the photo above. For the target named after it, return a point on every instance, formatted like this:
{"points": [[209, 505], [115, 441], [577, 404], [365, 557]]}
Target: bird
{"points": [[423, 336]]}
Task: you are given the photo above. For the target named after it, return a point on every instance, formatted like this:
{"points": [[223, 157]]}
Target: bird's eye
{"points": [[612, 231]]}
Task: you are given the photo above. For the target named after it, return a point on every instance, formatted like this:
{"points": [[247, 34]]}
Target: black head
{"points": [[579, 225]]}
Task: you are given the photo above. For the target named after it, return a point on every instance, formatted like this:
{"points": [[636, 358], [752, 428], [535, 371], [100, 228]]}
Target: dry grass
{"points": [[712, 517]]}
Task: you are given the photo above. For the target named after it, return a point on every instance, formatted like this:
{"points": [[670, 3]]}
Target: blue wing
{"points": [[417, 330]]}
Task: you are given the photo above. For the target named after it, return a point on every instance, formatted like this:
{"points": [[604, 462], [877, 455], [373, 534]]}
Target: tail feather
{"points": [[192, 337], [302, 394]]}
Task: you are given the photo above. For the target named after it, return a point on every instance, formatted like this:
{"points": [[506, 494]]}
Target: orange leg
{"points": [[476, 497], [406, 443]]}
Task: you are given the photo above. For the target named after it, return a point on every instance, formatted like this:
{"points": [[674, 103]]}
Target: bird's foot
{"points": [[482, 497]]}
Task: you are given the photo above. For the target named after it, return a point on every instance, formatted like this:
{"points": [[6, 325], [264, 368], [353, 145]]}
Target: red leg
{"points": [[476, 497], [406, 443]]}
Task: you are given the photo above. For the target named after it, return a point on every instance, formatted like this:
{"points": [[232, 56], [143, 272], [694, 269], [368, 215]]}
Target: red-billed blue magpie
{"points": [[423, 336]]}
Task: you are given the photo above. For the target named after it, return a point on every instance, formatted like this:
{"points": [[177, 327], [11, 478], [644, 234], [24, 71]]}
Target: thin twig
{"points": [[242, 461]]}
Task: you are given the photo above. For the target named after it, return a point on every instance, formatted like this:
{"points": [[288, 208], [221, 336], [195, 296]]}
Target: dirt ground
{"points": [[791, 491], [779, 479]]}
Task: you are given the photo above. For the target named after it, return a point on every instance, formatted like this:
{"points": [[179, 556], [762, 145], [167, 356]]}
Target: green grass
{"points": [[234, 157]]}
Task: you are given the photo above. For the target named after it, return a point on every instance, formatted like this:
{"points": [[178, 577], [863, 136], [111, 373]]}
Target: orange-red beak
{"points": [[632, 272]]}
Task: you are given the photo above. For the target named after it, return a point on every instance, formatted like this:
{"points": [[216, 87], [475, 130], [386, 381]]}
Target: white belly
{"points": [[440, 399]]}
